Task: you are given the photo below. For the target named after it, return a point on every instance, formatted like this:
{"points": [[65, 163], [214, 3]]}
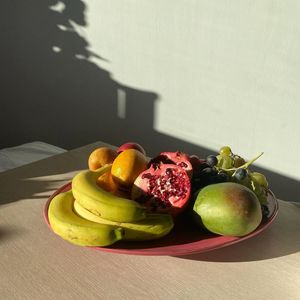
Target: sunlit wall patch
{"points": [[59, 7], [56, 49]]}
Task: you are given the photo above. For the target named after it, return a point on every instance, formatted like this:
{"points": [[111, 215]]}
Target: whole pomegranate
{"points": [[178, 158], [163, 188], [131, 145]]}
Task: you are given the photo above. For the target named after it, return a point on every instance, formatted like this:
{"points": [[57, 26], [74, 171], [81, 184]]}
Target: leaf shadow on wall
{"points": [[52, 92]]}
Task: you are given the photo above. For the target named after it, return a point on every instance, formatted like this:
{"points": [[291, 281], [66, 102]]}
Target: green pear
{"points": [[228, 208]]}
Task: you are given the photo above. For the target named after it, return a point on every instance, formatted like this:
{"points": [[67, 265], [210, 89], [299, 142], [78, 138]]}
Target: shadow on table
{"points": [[7, 233], [38, 180], [280, 239]]}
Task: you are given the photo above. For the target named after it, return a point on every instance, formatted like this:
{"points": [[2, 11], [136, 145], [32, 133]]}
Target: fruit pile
{"points": [[126, 196]]}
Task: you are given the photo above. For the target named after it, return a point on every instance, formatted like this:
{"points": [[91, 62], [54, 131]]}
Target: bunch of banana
{"points": [[102, 203], [154, 226], [87, 215], [77, 230]]}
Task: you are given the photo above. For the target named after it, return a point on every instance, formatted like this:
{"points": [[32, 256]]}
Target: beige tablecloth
{"points": [[37, 264]]}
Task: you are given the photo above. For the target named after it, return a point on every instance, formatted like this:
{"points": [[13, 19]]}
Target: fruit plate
{"points": [[185, 238]]}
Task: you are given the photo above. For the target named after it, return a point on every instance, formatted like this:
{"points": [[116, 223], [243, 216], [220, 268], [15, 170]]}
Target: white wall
{"points": [[227, 72], [187, 74]]}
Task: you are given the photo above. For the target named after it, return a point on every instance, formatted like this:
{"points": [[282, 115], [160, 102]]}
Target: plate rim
{"points": [[171, 250]]}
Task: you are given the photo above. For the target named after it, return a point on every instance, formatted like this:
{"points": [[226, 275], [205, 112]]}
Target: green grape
{"points": [[238, 161], [227, 162], [260, 179], [220, 160], [259, 191], [262, 198], [225, 151], [261, 195]]}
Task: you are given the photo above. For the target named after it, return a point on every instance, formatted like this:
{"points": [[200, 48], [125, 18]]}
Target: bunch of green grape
{"points": [[227, 166], [238, 171]]}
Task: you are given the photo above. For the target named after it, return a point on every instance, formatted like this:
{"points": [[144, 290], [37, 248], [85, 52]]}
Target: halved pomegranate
{"points": [[178, 158], [163, 188]]}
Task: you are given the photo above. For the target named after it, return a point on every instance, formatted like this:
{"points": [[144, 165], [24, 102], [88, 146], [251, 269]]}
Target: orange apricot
{"points": [[106, 182], [100, 157], [127, 166]]}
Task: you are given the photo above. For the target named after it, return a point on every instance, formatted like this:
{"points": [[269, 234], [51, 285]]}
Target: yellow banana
{"points": [[77, 230], [102, 203], [154, 226]]}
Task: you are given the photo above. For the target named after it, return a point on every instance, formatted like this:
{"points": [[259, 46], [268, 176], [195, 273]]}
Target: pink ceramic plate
{"points": [[185, 238]]}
